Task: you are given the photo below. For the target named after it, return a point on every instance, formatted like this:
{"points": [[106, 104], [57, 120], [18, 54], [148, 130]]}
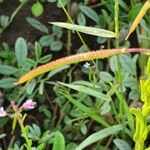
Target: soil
{"points": [[20, 27]]}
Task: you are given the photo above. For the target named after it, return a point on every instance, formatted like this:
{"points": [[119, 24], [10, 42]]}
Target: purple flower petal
{"points": [[3, 113], [29, 104]]}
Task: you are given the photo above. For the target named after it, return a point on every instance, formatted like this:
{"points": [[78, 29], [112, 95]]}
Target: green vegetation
{"points": [[95, 100]]}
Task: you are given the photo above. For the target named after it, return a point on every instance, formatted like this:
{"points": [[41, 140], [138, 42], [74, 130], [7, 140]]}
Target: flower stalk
{"points": [[17, 116], [141, 114]]}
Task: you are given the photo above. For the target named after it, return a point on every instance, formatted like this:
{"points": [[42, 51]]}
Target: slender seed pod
{"points": [[139, 17], [75, 59], [68, 60]]}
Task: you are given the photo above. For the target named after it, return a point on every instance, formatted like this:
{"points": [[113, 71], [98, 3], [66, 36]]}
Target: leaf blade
{"points": [[85, 29], [99, 136], [21, 50]]}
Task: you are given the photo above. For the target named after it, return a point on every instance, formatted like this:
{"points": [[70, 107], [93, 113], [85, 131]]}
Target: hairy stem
{"points": [[75, 59]]}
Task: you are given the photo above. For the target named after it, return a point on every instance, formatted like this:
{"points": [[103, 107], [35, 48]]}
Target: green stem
{"points": [[118, 73], [139, 145], [116, 23], [68, 33], [71, 21], [13, 15], [24, 132]]}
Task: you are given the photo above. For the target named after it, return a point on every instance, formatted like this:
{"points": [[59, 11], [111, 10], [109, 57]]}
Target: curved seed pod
{"points": [[139, 17], [75, 59], [69, 60]]}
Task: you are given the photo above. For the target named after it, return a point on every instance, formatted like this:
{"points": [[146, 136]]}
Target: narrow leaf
{"points": [[121, 144], [139, 17], [90, 113], [90, 13], [99, 136], [37, 25], [87, 30], [88, 91]]}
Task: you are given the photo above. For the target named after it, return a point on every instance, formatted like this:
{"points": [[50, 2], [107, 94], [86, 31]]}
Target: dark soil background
{"points": [[20, 27]]}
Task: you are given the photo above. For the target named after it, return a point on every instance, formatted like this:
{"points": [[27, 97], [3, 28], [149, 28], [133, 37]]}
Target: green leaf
{"points": [[134, 94], [105, 108], [47, 113], [83, 129], [3, 121], [127, 64], [41, 87], [113, 63], [7, 83], [22, 1], [88, 91], [56, 46], [4, 21], [57, 31], [62, 3], [38, 50], [45, 59], [105, 76], [34, 132], [37, 9], [2, 135], [99, 136], [87, 30], [46, 40], [121, 144], [81, 19], [1, 1], [30, 87], [51, 1], [21, 50], [29, 63], [148, 67], [89, 112], [134, 11], [37, 25], [71, 146], [123, 4], [41, 146], [90, 13], [7, 70], [55, 71], [130, 82], [59, 141]]}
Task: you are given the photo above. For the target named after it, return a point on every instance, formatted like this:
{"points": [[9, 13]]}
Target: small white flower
{"points": [[86, 65], [3, 113]]}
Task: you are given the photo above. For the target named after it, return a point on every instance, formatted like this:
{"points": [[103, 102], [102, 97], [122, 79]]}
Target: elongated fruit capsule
{"points": [[69, 60]]}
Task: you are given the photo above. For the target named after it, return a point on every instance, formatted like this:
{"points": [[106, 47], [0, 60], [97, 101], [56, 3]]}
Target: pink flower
{"points": [[3, 113], [29, 104]]}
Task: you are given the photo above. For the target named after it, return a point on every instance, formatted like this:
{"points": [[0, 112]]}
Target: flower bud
{"points": [[29, 104], [3, 113]]}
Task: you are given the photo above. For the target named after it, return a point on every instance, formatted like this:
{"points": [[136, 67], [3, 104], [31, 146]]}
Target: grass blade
{"points": [[90, 113], [99, 136], [87, 30], [88, 91]]}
